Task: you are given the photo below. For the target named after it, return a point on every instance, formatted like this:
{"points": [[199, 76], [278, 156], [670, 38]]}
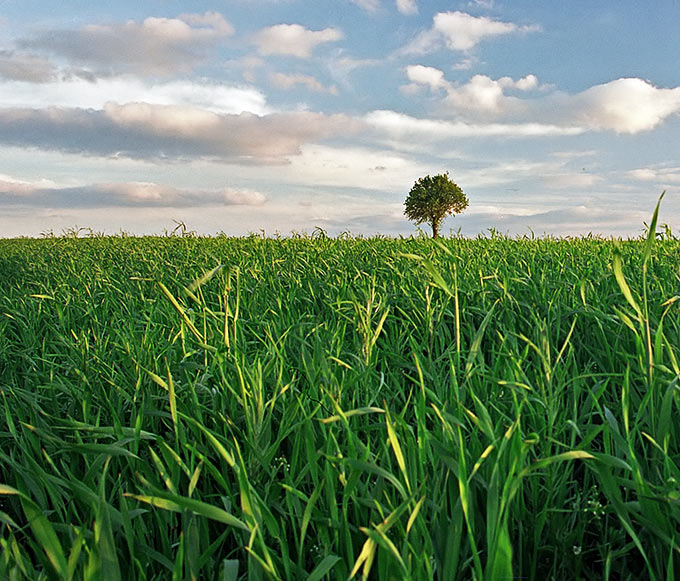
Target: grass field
{"points": [[317, 408]]}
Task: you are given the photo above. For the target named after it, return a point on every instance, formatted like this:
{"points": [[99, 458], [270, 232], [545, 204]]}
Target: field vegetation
{"points": [[323, 408]]}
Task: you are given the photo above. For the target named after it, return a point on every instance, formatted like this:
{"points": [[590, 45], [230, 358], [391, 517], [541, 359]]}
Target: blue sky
{"points": [[238, 116]]}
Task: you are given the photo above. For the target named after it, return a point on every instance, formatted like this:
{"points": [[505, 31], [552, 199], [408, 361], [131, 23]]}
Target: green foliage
{"points": [[431, 199], [219, 408]]}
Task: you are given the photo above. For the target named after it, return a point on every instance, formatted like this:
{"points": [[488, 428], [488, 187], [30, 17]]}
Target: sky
{"points": [[283, 116]]}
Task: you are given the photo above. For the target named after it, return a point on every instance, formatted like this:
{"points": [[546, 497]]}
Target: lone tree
{"points": [[431, 199]]}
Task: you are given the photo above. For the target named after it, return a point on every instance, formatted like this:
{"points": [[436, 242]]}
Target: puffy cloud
{"points": [[145, 131], [26, 67], [142, 194], [624, 105], [461, 32], [156, 46], [407, 6], [284, 81], [528, 83], [429, 76], [293, 39], [481, 94], [487, 95]]}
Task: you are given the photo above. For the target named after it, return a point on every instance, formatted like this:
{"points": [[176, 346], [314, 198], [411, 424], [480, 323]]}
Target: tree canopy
{"points": [[431, 199]]}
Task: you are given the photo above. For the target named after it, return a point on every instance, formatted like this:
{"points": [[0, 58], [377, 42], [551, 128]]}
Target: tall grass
{"points": [[316, 408]]}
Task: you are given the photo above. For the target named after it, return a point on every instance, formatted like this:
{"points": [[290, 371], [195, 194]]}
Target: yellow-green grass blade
{"points": [[177, 503]]}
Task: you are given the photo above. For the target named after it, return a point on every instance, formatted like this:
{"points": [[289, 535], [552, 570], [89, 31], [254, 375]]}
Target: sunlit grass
{"points": [[317, 408]]}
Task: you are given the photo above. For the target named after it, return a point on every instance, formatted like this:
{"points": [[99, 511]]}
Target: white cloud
{"points": [[404, 127], [481, 94], [429, 76], [145, 131], [156, 46], [624, 105], [407, 6], [528, 83], [463, 31], [284, 81], [80, 93], [460, 31], [293, 39]]}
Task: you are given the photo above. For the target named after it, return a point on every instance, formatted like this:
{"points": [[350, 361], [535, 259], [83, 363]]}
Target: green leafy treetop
{"points": [[431, 199]]}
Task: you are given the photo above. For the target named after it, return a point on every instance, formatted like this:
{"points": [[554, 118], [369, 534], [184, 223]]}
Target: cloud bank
{"points": [[155, 46], [128, 194], [155, 132]]}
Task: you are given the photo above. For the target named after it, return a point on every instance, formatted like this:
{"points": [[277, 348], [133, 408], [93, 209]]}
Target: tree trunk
{"points": [[435, 232]]}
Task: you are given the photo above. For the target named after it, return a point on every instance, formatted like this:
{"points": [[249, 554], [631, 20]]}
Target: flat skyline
{"points": [[287, 115]]}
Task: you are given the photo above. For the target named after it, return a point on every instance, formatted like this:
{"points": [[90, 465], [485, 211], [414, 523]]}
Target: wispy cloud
{"points": [[340, 67], [293, 39], [483, 4], [407, 6], [368, 5], [404, 127]]}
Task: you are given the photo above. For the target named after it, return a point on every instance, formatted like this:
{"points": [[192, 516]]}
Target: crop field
{"points": [[332, 408]]}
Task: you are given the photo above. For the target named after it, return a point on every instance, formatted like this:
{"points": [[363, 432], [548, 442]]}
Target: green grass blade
{"points": [[651, 232], [323, 568], [178, 503]]}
